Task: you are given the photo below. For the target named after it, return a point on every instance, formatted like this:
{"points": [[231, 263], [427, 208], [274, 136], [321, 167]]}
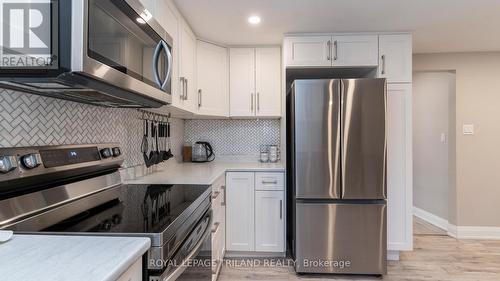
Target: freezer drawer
{"points": [[341, 238]]}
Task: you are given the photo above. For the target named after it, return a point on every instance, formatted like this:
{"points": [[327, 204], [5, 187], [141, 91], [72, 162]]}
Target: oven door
{"points": [[193, 260], [123, 45]]}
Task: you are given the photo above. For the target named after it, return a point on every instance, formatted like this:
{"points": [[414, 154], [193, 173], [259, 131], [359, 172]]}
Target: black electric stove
{"points": [[77, 190]]}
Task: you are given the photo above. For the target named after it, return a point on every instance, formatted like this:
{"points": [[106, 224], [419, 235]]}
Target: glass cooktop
{"points": [[139, 209]]}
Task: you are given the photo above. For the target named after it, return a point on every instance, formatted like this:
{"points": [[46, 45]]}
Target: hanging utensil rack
{"points": [[156, 145]]}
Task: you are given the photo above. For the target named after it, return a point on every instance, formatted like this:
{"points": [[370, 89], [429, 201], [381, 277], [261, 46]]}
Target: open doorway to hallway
{"points": [[433, 151]]}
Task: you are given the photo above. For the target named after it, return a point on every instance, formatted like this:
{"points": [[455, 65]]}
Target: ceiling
{"points": [[438, 25]]}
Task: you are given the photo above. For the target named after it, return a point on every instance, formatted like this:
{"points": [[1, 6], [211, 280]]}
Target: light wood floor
{"points": [[435, 257]]}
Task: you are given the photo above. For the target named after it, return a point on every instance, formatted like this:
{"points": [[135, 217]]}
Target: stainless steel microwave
{"points": [[102, 52]]}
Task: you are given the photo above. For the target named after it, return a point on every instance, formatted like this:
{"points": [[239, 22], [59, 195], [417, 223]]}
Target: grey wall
{"points": [[234, 140], [30, 120], [433, 100], [477, 156]]}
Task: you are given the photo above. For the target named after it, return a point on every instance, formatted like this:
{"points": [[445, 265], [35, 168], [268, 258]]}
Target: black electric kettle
{"points": [[203, 152]]}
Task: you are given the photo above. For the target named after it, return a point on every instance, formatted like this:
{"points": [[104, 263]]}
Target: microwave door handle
{"points": [[156, 57], [168, 53]]}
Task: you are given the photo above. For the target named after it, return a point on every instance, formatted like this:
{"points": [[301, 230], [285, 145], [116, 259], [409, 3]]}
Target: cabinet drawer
{"points": [[133, 273], [269, 181]]}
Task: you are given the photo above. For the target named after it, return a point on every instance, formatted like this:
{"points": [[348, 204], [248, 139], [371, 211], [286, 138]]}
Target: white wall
{"points": [[433, 100], [477, 156]]}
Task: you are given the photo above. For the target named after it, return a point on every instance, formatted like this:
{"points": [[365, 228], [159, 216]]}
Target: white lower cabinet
{"points": [[399, 167], [269, 217], [240, 212], [133, 273], [255, 212]]}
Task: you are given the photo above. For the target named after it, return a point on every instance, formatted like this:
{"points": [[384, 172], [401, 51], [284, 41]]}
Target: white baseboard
{"points": [[459, 232], [431, 218], [476, 232]]}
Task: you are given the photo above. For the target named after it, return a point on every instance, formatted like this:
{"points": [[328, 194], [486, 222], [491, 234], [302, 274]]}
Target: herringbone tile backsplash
{"points": [[234, 140], [30, 120]]}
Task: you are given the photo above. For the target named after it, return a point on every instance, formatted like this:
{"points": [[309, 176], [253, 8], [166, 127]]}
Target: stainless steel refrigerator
{"points": [[336, 139]]}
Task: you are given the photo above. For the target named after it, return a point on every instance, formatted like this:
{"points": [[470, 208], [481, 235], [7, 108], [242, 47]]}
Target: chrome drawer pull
{"points": [[216, 228], [270, 182], [215, 195]]}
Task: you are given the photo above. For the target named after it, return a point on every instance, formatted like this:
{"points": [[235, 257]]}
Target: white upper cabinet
{"points": [[395, 53], [255, 82], [308, 51], [354, 50], [331, 51], [268, 82], [187, 83], [242, 82], [212, 79]]}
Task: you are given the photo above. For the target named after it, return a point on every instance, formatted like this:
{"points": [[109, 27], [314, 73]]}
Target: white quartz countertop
{"points": [[63, 258], [202, 173]]}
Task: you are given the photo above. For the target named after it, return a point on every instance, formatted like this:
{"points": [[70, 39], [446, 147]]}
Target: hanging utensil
{"points": [[164, 142], [152, 157], [169, 151], [157, 151], [144, 143]]}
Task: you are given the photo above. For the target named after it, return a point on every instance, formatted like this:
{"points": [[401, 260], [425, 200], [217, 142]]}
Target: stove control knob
{"points": [[31, 161], [7, 164], [106, 153], [116, 151]]}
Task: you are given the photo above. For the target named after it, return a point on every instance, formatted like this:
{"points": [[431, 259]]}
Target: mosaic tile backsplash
{"points": [[30, 120], [234, 140]]}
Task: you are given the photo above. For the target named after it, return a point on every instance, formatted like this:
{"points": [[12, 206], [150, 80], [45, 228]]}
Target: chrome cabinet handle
{"points": [[215, 195], [182, 89], [383, 64], [156, 56], [258, 101], [281, 209], [223, 203], [329, 46], [199, 97], [251, 102], [186, 89], [216, 227], [335, 57]]}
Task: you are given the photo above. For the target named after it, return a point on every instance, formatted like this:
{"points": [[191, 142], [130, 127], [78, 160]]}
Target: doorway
{"points": [[433, 151]]}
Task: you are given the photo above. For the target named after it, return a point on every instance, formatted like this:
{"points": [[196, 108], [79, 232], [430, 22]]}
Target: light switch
{"points": [[443, 138], [468, 129]]}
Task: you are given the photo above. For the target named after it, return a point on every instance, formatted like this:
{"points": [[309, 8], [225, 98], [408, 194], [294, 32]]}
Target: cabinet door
{"points": [[308, 51], [268, 82], [240, 212], [396, 58], [355, 50], [187, 85], [399, 167], [212, 80], [269, 221], [242, 82]]}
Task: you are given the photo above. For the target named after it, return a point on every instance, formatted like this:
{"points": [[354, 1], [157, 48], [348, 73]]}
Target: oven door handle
{"points": [[178, 271]]}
